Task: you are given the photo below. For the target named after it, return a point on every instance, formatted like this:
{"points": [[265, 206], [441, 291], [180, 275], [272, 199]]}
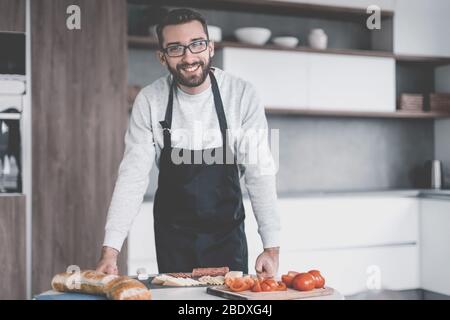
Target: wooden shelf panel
{"points": [[355, 114], [277, 7], [410, 59]]}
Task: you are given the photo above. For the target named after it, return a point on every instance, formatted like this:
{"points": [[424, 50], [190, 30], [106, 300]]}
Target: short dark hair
{"points": [[179, 16]]}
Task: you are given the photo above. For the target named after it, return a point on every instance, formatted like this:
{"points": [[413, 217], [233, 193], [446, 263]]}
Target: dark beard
{"points": [[194, 81]]}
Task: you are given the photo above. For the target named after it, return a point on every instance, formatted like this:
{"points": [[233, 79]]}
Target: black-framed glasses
{"points": [[178, 50]]}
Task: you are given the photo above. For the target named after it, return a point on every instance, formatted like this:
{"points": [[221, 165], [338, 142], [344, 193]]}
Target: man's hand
{"points": [[108, 261], [267, 263]]}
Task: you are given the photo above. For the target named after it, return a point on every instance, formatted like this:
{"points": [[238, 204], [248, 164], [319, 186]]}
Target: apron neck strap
{"points": [[166, 124]]}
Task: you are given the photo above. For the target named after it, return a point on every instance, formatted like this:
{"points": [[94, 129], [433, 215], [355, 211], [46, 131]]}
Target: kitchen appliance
{"points": [[11, 98], [10, 156], [433, 174], [12, 53]]}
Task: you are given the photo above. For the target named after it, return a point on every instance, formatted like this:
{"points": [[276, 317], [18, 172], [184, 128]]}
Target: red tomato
{"points": [[287, 280], [265, 287], [257, 287], [303, 282], [281, 286], [272, 283], [229, 281], [292, 273], [250, 282], [319, 280], [238, 284]]}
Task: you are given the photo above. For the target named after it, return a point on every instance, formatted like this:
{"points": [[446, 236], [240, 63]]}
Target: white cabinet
{"points": [[435, 245], [141, 242], [365, 238], [316, 80], [281, 78], [369, 238], [353, 83], [356, 270], [421, 27]]}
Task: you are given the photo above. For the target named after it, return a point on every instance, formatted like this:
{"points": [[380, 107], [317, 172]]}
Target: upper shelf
{"points": [[147, 42], [277, 7]]}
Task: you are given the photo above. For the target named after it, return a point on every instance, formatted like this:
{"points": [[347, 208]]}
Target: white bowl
{"points": [[215, 33], [257, 36], [290, 42]]}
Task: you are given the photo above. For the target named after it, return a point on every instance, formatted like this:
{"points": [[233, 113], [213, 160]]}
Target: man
{"points": [[198, 210]]}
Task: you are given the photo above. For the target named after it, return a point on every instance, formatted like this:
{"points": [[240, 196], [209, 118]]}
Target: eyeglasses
{"points": [[179, 50]]}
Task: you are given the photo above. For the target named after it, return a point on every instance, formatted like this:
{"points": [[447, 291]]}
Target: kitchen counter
{"points": [[163, 294], [443, 194], [409, 193]]}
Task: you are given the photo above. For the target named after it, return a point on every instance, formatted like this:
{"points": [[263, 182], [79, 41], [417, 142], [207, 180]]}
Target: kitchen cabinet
{"points": [[371, 238], [281, 78], [351, 83], [316, 81], [421, 27], [12, 15], [367, 237], [12, 247], [434, 245], [141, 242]]}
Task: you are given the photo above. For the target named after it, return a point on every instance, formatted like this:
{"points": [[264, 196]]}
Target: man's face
{"points": [[190, 69]]}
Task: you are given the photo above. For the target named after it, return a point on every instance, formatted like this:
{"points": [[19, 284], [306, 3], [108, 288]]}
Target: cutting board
{"points": [[289, 294]]}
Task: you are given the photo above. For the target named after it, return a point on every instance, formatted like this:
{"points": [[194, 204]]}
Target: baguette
{"points": [[92, 282], [125, 288]]}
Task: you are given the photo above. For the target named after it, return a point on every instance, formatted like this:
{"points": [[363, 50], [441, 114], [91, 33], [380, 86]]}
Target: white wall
{"points": [[421, 27]]}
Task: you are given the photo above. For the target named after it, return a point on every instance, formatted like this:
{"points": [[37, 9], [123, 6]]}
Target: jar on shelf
{"points": [[318, 39]]}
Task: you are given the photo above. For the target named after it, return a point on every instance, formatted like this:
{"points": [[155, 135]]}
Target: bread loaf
{"points": [[92, 282], [125, 288]]}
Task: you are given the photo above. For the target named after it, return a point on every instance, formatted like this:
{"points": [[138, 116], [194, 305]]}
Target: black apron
{"points": [[198, 210]]}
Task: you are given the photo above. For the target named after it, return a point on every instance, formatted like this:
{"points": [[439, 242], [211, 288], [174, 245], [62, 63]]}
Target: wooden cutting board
{"points": [[289, 294]]}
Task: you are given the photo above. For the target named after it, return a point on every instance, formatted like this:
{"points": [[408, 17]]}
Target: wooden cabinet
{"points": [[79, 121], [434, 245], [316, 81], [12, 247], [12, 15], [422, 27]]}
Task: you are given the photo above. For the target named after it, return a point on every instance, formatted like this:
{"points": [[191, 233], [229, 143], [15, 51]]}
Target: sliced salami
{"points": [[213, 272]]}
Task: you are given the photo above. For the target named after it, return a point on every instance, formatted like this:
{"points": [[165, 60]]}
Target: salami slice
{"points": [[213, 272], [180, 275]]}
